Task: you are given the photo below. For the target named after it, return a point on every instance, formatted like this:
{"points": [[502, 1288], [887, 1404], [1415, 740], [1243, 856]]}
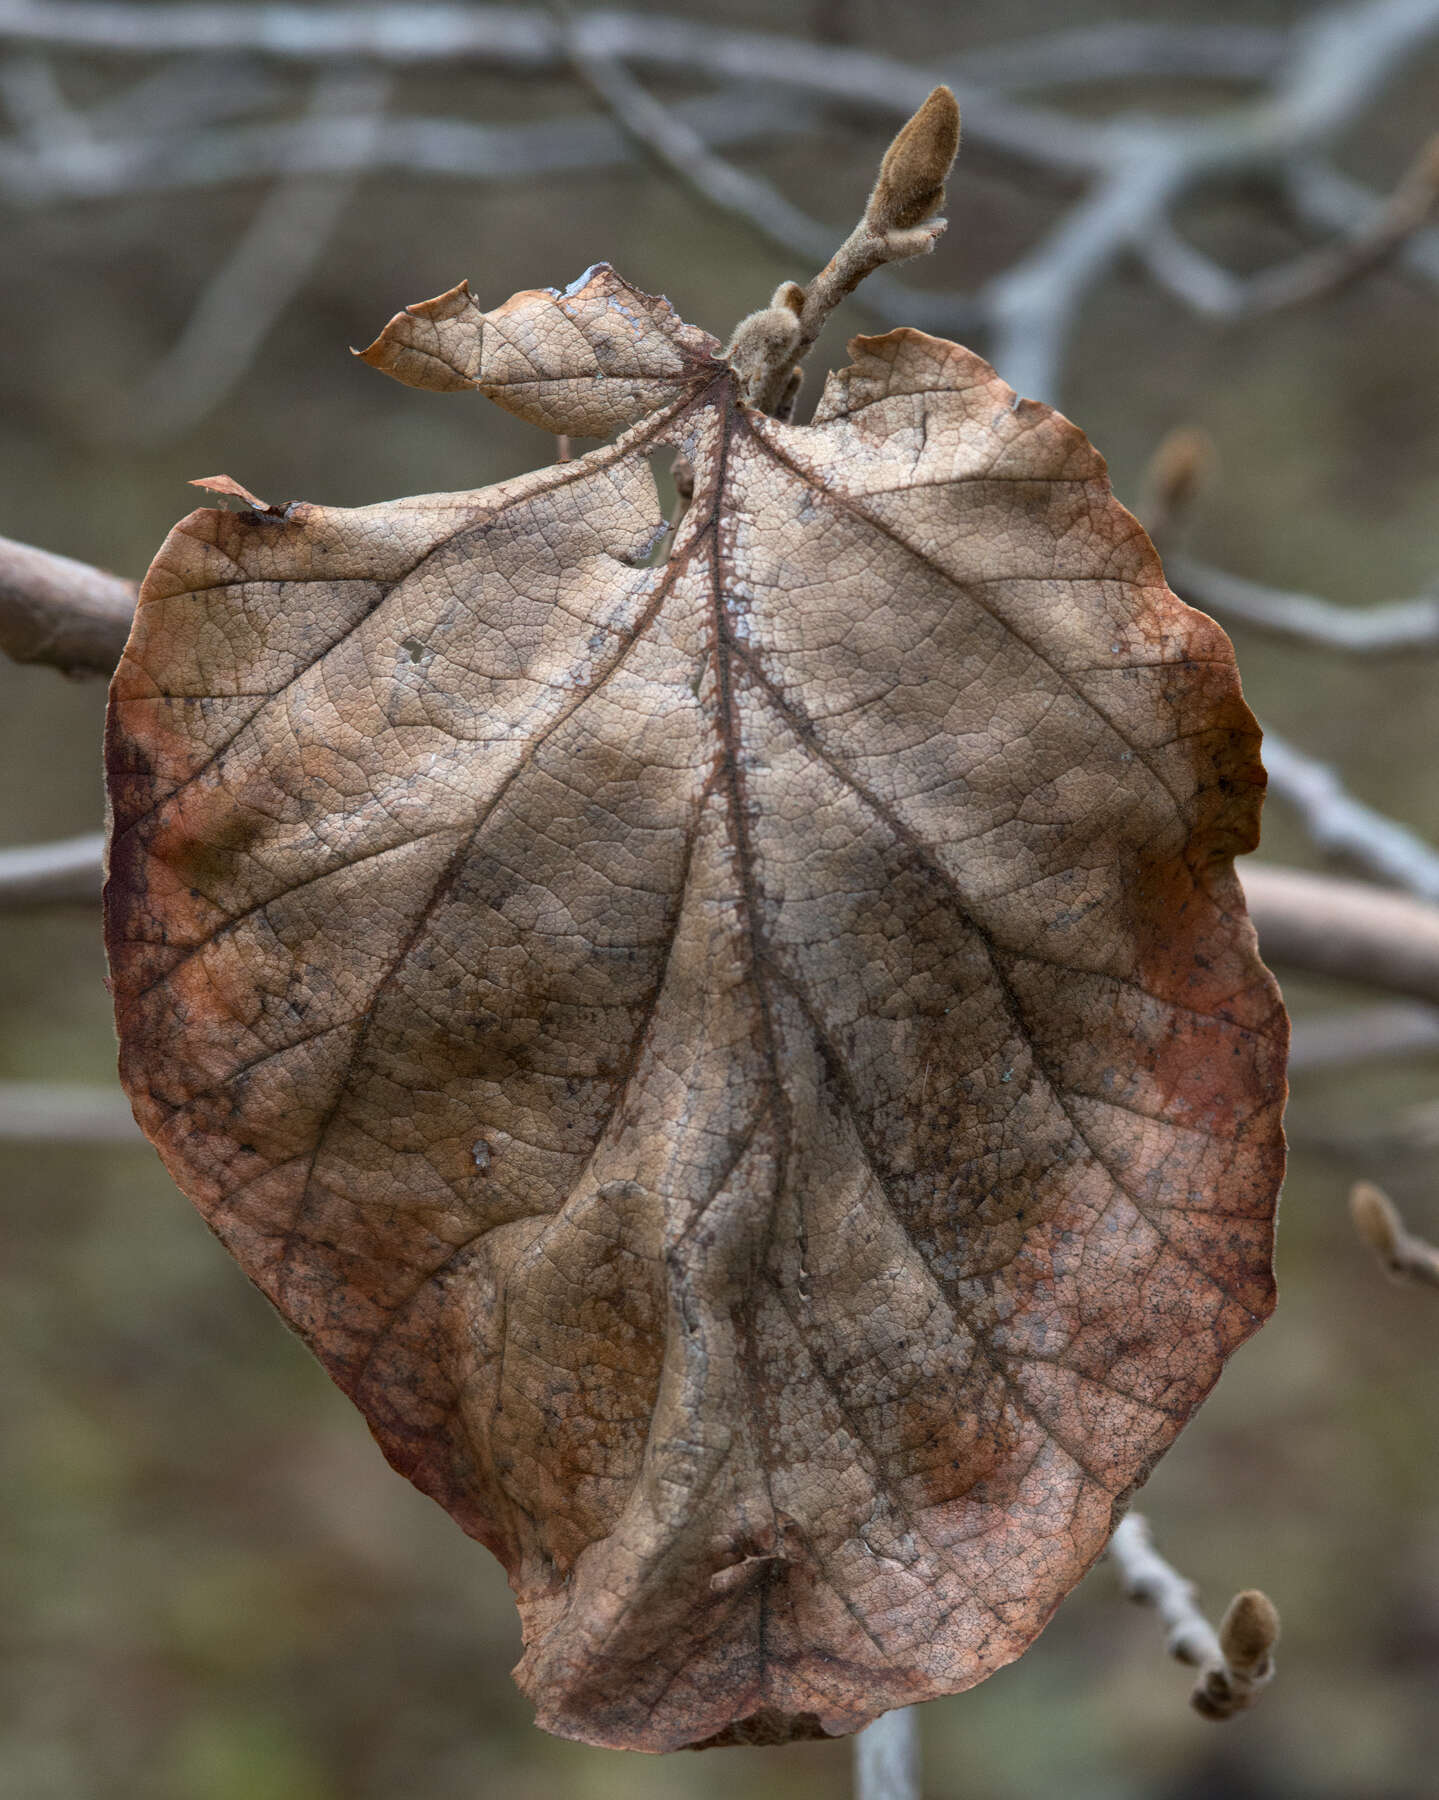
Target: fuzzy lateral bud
{"points": [[910, 185], [766, 340]]}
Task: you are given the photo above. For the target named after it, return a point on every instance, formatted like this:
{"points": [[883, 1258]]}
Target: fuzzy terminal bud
{"points": [[910, 187], [1249, 1632]]}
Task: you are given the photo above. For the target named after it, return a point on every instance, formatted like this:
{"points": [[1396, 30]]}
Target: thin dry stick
{"points": [[67, 614], [1404, 1257], [1236, 1662], [886, 1757], [244, 300], [681, 148], [1327, 200]]}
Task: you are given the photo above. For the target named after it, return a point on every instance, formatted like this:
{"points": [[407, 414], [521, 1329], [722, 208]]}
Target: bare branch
{"points": [[1330, 201], [1343, 826], [1236, 1662], [1346, 929], [520, 38], [246, 296], [43, 1112], [1404, 1257], [1338, 61], [1382, 630], [67, 614], [41, 874], [886, 1757], [1212, 290]]}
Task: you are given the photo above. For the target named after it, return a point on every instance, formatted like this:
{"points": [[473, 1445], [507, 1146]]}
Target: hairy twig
{"points": [[1342, 826], [245, 298], [1332, 64], [67, 614], [1236, 1662], [900, 221], [1403, 1256], [682, 149], [886, 1757]]}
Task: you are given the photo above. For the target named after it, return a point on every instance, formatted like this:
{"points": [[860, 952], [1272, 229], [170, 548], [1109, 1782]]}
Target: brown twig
{"points": [[1404, 1257], [1236, 1662], [67, 614]]}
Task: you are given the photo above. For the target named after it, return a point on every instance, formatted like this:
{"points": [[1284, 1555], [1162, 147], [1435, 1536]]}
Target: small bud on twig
{"points": [[1236, 1662], [900, 221], [766, 340], [910, 186], [1377, 1220], [1180, 467]]}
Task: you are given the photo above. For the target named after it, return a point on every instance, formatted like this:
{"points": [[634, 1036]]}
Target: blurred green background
{"points": [[214, 1587]]}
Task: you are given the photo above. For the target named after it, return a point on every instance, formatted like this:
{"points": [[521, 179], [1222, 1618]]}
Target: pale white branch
{"points": [[1381, 630], [1340, 825]]}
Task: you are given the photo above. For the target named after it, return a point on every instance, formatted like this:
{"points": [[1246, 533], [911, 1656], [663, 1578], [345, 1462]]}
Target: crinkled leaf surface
{"points": [[753, 1072]]}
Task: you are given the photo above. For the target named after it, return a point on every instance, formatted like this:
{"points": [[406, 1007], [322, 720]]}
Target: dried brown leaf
{"points": [[752, 1072]]}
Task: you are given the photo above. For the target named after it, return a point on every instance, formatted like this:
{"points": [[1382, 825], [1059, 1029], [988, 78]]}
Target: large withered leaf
{"points": [[753, 1072]]}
